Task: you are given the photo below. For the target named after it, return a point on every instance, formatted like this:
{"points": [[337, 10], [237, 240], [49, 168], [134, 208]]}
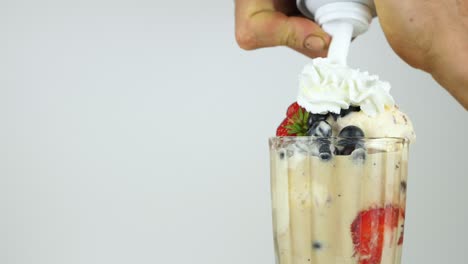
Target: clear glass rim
{"points": [[365, 139]]}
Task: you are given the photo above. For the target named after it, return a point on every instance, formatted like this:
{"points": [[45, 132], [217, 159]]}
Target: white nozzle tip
{"points": [[358, 13]]}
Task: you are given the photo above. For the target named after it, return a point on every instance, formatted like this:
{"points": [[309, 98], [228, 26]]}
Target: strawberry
{"points": [[367, 231], [292, 109], [295, 123], [282, 131]]}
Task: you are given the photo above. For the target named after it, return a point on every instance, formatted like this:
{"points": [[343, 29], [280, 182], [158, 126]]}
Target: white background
{"points": [[136, 132]]}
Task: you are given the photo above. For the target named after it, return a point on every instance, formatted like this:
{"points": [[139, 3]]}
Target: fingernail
{"points": [[315, 43]]}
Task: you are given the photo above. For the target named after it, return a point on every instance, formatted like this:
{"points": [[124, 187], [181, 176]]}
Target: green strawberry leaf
{"points": [[298, 123]]}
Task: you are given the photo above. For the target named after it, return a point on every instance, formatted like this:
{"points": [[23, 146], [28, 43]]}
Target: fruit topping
{"points": [[320, 129], [359, 155], [324, 150], [350, 138], [345, 112], [295, 123], [351, 132], [313, 118], [282, 131], [292, 109]]}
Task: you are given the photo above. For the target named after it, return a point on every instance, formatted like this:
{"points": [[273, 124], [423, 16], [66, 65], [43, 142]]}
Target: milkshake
{"points": [[339, 170], [349, 209]]}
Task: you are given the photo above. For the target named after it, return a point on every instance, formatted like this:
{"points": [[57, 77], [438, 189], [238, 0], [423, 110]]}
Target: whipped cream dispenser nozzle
{"points": [[342, 19]]}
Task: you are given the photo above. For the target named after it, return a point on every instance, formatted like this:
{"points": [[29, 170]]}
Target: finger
{"points": [[287, 7], [271, 28], [312, 54]]}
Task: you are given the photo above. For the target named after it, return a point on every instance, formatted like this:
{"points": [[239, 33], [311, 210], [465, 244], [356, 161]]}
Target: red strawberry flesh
{"points": [[294, 122], [282, 131], [292, 109], [367, 231]]}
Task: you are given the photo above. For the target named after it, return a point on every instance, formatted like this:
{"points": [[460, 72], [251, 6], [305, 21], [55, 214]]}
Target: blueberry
{"points": [[335, 116], [324, 151], [325, 156], [345, 112], [355, 108], [281, 154], [403, 186], [359, 155], [320, 129], [323, 130], [316, 245], [350, 140], [313, 118], [351, 132], [344, 148]]}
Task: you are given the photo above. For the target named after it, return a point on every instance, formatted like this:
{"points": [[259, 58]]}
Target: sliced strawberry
{"points": [[367, 231], [292, 109]]}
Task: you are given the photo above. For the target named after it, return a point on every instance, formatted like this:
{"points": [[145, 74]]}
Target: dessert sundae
{"points": [[339, 170]]}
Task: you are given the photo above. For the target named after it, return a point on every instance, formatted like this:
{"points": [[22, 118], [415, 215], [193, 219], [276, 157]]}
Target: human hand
{"points": [[268, 23], [430, 35]]}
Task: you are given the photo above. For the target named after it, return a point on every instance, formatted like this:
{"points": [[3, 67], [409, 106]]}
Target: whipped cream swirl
{"points": [[328, 87]]}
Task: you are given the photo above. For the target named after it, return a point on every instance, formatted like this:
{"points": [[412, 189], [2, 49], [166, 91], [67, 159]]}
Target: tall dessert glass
{"points": [[338, 209]]}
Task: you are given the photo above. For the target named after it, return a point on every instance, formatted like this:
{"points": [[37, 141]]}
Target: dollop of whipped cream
{"points": [[329, 87]]}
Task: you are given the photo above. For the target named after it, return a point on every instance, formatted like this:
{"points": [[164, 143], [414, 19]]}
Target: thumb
{"points": [[270, 28]]}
